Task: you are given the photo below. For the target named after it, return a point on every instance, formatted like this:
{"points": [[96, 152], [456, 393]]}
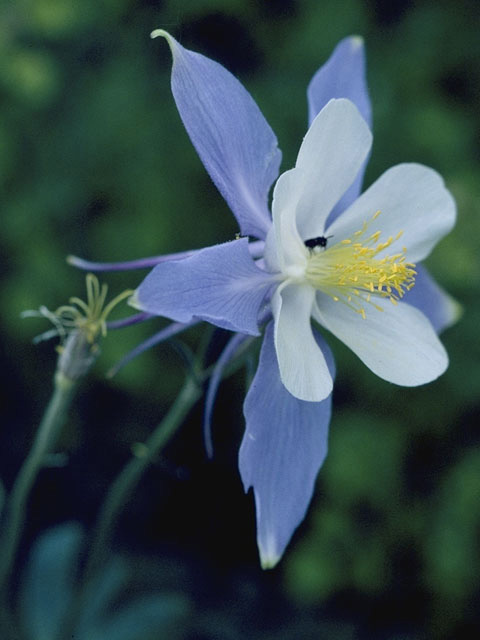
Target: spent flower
{"points": [[79, 325]]}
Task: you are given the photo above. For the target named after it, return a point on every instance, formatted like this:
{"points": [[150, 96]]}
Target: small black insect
{"points": [[319, 241]]}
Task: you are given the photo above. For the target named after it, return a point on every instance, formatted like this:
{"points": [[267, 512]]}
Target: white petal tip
{"points": [[309, 393]]}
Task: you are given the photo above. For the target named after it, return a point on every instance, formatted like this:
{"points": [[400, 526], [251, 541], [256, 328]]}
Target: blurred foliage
{"points": [[94, 161], [112, 607]]}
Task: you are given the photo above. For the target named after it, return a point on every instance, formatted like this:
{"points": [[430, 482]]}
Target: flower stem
{"points": [[47, 434], [120, 491], [128, 478]]}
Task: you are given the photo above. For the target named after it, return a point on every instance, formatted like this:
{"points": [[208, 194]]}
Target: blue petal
{"points": [[233, 139], [219, 284], [343, 76], [284, 446], [433, 301]]}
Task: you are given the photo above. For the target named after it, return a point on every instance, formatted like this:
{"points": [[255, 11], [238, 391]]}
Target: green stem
{"points": [[127, 480], [47, 434], [122, 488], [120, 491]]}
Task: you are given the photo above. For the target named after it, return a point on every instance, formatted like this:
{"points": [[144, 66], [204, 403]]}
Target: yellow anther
{"points": [[352, 271]]}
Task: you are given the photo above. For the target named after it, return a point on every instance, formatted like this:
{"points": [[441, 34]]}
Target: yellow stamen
{"points": [[353, 266]]}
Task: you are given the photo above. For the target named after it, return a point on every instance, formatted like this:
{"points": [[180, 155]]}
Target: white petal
{"points": [[302, 365], [398, 344], [329, 159], [290, 249], [412, 198]]}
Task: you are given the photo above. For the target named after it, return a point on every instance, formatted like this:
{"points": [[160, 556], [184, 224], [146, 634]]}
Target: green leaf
{"points": [[49, 581]]}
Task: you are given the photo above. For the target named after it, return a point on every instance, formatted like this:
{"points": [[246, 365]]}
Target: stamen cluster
{"points": [[351, 271], [79, 326], [90, 317]]}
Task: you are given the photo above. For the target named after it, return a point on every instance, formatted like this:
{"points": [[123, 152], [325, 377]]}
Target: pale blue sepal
{"points": [[232, 137], [428, 296], [343, 76], [284, 446], [219, 284]]}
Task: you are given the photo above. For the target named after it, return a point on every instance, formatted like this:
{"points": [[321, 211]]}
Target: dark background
{"points": [[95, 161]]}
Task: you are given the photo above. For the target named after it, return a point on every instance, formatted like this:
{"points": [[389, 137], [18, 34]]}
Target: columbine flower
{"points": [[347, 261]]}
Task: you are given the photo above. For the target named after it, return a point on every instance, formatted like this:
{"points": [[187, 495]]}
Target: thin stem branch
{"points": [[120, 491], [128, 478], [47, 434]]}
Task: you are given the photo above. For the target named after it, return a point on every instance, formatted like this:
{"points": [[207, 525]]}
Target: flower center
{"points": [[351, 271]]}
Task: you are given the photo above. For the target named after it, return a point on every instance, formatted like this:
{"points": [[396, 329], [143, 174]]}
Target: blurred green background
{"points": [[94, 161]]}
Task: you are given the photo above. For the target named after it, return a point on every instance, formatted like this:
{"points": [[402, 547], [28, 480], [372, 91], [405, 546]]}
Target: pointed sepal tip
{"points": [[157, 33]]}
